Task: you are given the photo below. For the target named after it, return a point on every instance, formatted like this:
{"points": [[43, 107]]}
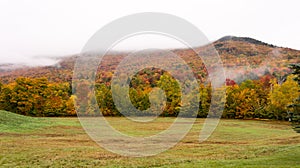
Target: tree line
{"points": [[264, 98]]}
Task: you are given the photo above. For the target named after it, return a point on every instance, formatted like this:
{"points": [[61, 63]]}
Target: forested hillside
{"points": [[259, 83]]}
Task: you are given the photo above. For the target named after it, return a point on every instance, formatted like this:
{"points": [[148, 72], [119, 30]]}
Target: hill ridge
{"points": [[239, 54], [245, 39]]}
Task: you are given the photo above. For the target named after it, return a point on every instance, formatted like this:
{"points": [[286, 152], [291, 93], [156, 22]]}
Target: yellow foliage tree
{"points": [[283, 95]]}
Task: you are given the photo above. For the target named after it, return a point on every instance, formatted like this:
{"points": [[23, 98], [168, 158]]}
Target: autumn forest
{"points": [[261, 83]]}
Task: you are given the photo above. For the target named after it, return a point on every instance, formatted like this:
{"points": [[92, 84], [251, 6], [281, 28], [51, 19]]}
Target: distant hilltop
{"points": [[244, 39]]}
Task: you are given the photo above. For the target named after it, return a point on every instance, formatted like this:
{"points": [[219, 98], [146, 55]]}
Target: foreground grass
{"points": [[61, 142]]}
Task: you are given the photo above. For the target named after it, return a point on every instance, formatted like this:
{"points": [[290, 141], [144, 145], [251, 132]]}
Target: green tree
{"points": [[105, 100], [173, 94], [205, 99], [295, 106]]}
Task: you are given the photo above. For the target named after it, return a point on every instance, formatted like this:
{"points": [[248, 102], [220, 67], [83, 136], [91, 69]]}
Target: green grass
{"points": [[61, 142], [14, 123], [10, 122]]}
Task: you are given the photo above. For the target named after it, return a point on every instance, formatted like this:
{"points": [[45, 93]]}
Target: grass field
{"points": [[61, 142]]}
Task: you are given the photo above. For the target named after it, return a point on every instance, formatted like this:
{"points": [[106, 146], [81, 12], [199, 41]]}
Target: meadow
{"points": [[62, 142]]}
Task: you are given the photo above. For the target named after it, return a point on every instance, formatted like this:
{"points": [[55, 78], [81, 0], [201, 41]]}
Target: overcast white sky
{"points": [[35, 28]]}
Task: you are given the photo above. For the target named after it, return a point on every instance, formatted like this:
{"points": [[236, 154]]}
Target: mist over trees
{"points": [[260, 85]]}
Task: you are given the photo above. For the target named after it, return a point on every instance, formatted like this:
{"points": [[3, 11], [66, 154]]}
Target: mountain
{"points": [[242, 57], [244, 39]]}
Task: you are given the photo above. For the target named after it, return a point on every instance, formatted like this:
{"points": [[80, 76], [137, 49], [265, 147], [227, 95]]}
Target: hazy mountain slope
{"points": [[240, 55]]}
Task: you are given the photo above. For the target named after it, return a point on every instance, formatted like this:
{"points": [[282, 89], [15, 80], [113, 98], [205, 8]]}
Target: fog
{"points": [[57, 28]]}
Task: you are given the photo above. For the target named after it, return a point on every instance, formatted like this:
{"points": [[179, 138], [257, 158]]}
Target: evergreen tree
{"points": [[295, 107]]}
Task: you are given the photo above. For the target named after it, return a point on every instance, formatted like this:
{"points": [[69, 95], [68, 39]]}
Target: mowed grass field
{"points": [[62, 142]]}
